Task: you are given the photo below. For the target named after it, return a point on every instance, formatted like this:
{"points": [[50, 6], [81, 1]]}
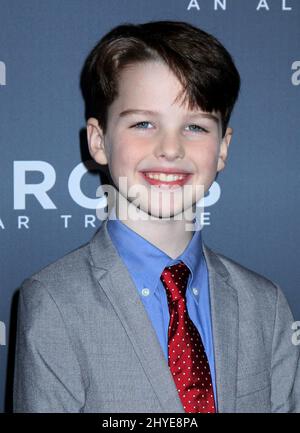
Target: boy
{"points": [[145, 317]]}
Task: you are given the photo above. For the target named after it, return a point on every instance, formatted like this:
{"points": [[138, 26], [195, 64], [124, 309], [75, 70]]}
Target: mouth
{"points": [[161, 179]]}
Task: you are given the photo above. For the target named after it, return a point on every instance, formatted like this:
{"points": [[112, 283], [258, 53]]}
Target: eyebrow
{"points": [[136, 111], [206, 116], [150, 112]]}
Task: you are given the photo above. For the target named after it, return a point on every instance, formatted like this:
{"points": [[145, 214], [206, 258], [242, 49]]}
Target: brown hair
{"points": [[203, 66]]}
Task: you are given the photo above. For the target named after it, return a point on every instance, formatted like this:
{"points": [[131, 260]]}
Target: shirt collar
{"points": [[146, 268]]}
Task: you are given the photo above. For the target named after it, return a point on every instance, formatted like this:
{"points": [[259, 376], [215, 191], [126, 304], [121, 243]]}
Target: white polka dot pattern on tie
{"points": [[187, 358]]}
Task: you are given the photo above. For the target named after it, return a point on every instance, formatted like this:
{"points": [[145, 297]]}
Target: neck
{"points": [[158, 231]]}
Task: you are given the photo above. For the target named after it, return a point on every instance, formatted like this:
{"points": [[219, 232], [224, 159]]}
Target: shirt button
{"points": [[195, 291], [145, 292]]}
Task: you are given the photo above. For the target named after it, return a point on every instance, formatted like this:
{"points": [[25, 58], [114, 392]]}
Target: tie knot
{"points": [[174, 279]]}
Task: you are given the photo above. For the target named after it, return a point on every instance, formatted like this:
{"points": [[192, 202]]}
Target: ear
{"points": [[224, 149], [95, 138]]}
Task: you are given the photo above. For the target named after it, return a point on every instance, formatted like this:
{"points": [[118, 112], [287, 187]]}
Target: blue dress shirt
{"points": [[145, 263]]}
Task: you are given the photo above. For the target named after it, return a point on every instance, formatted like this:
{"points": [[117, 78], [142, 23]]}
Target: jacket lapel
{"points": [[225, 329], [115, 280]]}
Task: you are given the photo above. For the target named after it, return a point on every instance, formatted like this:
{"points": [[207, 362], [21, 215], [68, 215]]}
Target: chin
{"points": [[167, 214]]}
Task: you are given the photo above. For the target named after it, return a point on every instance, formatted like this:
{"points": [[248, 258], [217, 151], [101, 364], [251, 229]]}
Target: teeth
{"points": [[165, 177]]}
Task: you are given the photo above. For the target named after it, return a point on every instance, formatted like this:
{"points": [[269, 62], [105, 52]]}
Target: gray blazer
{"points": [[86, 344]]}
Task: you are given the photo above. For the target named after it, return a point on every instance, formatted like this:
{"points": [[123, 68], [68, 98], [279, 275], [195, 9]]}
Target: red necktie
{"points": [[187, 358]]}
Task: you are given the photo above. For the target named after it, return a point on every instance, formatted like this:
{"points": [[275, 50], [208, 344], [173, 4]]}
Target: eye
{"points": [[197, 128], [141, 125]]}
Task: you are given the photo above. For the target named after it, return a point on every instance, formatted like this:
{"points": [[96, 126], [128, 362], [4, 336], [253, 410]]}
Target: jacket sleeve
{"points": [[47, 376], [285, 365]]}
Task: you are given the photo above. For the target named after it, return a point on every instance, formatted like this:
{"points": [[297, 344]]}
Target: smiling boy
{"points": [[145, 317], [147, 134]]}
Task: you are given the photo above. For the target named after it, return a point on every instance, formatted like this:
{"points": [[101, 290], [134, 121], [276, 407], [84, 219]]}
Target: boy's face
{"points": [[148, 147]]}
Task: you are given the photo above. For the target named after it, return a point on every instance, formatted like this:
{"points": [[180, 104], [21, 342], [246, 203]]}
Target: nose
{"points": [[169, 147]]}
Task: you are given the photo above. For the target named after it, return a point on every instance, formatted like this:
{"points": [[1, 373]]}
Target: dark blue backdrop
{"points": [[43, 46]]}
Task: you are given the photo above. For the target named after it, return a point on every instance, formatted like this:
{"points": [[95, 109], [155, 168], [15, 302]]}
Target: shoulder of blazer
{"points": [[71, 270], [239, 276]]}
